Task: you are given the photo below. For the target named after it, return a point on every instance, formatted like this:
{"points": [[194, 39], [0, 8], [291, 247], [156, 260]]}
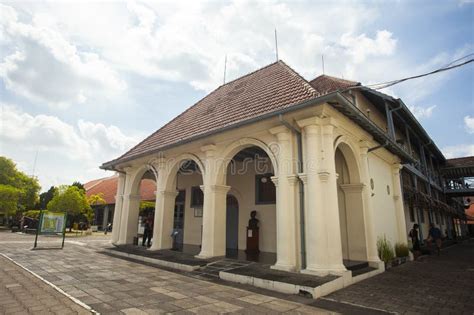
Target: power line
{"points": [[383, 85]]}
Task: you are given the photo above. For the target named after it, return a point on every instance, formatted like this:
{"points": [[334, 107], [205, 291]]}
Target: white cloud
{"points": [[422, 112], [77, 150], [45, 66], [469, 124], [360, 47], [460, 150]]}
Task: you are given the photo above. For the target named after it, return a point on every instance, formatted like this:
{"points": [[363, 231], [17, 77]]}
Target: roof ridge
{"points": [[336, 78], [306, 83], [189, 108]]}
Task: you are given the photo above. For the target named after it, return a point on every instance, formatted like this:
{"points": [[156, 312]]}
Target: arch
{"points": [[348, 150], [230, 151], [173, 165], [137, 176]]}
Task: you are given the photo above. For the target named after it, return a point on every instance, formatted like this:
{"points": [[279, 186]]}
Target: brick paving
{"points": [[435, 285], [21, 293], [111, 285]]}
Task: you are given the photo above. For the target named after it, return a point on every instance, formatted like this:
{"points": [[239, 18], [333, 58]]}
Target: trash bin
{"points": [[135, 240]]}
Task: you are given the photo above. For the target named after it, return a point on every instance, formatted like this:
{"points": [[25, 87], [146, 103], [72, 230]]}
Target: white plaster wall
{"points": [[192, 224], [383, 203], [243, 185]]}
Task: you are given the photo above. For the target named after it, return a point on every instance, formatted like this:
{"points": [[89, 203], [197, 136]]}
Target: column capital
{"points": [[117, 197], [324, 175], [120, 175], [352, 188], [159, 162], [396, 168], [223, 189], [364, 146], [167, 193], [292, 179], [280, 131], [209, 149], [274, 180], [303, 177], [132, 197]]}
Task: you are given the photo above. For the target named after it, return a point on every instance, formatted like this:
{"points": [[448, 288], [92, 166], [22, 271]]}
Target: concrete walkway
{"points": [[22, 293], [435, 285]]}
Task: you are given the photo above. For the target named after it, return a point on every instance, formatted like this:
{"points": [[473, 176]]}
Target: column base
{"points": [[154, 248], [204, 255], [321, 271], [283, 267], [380, 265]]}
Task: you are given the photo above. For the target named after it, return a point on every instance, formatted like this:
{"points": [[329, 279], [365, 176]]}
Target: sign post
{"points": [[51, 223]]}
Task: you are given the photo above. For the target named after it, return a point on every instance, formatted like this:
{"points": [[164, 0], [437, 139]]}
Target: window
{"points": [[197, 197], [422, 215], [265, 191], [412, 214]]}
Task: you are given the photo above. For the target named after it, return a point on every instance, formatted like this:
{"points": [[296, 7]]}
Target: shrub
{"points": [[401, 250], [385, 249]]}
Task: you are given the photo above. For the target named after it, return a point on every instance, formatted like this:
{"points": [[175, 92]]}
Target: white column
{"points": [[322, 228], [214, 221], [163, 222], [118, 209], [286, 209], [105, 217], [371, 238], [129, 224], [330, 207], [399, 209]]}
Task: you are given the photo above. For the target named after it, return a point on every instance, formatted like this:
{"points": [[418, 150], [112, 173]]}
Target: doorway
{"points": [[232, 224], [178, 220]]}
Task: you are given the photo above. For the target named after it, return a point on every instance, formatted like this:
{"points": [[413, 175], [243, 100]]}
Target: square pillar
{"points": [[163, 221], [371, 238], [129, 221], [118, 209], [322, 228], [286, 208], [214, 221], [399, 209]]}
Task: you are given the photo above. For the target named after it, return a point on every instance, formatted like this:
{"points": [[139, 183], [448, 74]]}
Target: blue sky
{"points": [[82, 82]]}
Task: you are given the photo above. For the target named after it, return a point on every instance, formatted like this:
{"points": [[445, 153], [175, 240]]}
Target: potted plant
{"points": [[402, 252], [385, 251]]}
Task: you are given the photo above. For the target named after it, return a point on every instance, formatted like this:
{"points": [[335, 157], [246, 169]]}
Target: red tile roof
{"points": [[467, 161], [266, 90], [108, 187], [325, 84]]}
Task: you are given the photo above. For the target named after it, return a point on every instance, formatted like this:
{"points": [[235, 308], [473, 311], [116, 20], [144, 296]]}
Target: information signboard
{"points": [[51, 223]]}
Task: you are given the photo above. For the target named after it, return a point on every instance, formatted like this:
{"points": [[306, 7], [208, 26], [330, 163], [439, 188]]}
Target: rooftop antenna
{"points": [[276, 45], [322, 59], [225, 66], [34, 164]]}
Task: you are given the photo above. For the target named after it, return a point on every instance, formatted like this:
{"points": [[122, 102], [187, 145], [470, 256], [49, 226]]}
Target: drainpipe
{"points": [[299, 143]]}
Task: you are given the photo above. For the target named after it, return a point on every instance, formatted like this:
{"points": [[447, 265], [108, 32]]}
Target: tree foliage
{"points": [[97, 199], [79, 185], [46, 197], [22, 189], [9, 198], [72, 200]]}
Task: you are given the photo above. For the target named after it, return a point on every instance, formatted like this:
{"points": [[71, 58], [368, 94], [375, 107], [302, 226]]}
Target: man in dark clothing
{"points": [[434, 235], [148, 233], [415, 241]]}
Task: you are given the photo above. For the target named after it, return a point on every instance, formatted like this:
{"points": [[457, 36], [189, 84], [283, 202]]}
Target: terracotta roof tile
{"points": [[271, 88], [325, 84], [108, 187], [467, 161]]}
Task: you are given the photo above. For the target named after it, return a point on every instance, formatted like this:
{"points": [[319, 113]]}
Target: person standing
{"points": [[148, 232], [415, 241], [434, 235]]}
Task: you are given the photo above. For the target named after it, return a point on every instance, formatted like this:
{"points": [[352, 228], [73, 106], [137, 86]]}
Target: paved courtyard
{"points": [[111, 285]]}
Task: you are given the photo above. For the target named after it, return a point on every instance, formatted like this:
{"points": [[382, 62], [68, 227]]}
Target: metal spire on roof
{"points": [[276, 45], [225, 66]]}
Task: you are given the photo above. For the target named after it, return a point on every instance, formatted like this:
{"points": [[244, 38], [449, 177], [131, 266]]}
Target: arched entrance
{"points": [[185, 180], [140, 203], [249, 173], [232, 224], [351, 208]]}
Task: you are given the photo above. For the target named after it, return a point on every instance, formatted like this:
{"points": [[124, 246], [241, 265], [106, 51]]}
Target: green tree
{"points": [[46, 197], [72, 200], [78, 185], [23, 190], [9, 198]]}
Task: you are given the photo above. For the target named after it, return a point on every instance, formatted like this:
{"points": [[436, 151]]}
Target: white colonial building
{"points": [[319, 161]]}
